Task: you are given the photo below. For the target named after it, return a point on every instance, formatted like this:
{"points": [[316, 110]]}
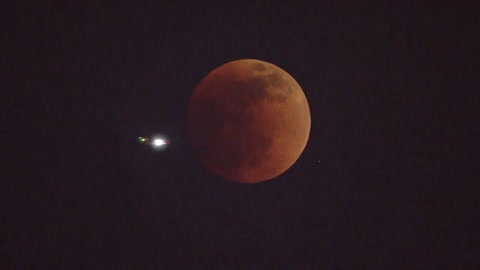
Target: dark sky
{"points": [[388, 180]]}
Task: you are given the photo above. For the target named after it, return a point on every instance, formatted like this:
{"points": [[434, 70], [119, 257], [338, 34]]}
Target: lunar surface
{"points": [[249, 120]]}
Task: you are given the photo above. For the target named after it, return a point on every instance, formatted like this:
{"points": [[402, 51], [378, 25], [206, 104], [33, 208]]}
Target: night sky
{"points": [[388, 180]]}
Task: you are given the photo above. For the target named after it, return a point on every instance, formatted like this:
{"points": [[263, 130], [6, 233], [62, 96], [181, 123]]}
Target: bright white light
{"points": [[159, 142]]}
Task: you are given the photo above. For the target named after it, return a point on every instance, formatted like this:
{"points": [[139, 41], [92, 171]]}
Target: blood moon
{"points": [[249, 120]]}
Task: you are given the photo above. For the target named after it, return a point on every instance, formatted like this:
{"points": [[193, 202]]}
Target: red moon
{"points": [[249, 120]]}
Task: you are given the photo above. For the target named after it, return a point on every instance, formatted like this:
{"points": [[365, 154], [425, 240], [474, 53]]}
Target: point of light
{"points": [[159, 142]]}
